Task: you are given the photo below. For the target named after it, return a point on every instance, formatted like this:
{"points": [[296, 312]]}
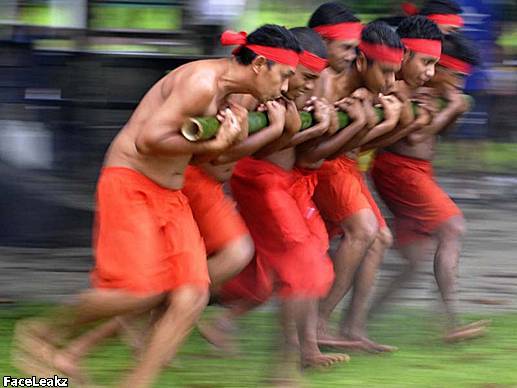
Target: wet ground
{"points": [[488, 268]]}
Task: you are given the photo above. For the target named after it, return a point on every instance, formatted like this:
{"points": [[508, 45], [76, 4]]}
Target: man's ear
{"points": [[407, 55], [361, 63], [258, 63]]}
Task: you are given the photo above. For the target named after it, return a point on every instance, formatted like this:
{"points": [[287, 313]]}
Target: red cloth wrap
{"points": [[424, 46], [341, 31], [455, 64], [145, 239], [275, 54], [215, 213], [341, 192], [408, 188], [313, 62], [380, 52], [290, 238], [450, 19]]}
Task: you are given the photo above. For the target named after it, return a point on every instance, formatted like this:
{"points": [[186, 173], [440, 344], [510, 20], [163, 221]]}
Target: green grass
{"points": [[422, 361], [476, 156]]}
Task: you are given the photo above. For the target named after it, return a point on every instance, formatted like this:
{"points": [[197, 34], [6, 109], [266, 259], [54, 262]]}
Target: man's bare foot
{"points": [[321, 360], [220, 334], [33, 352], [325, 338], [467, 332], [367, 344]]}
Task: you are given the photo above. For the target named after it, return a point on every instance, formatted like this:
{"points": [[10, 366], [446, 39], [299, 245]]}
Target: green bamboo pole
{"points": [[204, 128]]}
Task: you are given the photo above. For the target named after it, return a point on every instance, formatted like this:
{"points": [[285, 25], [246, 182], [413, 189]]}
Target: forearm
{"points": [[440, 122], [248, 146], [393, 136], [334, 143], [307, 134], [379, 130], [175, 144]]}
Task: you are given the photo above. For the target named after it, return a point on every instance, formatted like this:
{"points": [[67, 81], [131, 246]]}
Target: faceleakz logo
{"points": [[34, 381]]}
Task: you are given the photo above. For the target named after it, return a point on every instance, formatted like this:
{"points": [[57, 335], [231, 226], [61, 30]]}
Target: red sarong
{"points": [[410, 191], [215, 213], [290, 238], [146, 239], [341, 192]]}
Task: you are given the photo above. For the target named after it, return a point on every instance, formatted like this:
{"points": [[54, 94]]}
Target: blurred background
{"points": [[72, 71]]}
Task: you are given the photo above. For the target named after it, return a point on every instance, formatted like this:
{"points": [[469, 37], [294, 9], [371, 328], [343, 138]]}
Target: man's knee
{"points": [[240, 252], [453, 228], [361, 228], [188, 300], [385, 237]]}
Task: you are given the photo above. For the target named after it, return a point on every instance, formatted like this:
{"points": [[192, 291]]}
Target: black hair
{"points": [[419, 27], [379, 32], [270, 35], [310, 41], [445, 7], [331, 13], [459, 47]]}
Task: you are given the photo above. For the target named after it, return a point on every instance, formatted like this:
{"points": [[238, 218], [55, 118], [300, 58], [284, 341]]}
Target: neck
{"points": [[355, 79], [236, 79]]}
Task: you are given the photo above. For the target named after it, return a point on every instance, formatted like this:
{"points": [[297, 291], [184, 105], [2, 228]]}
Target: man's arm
{"points": [[392, 110], [441, 121], [400, 132], [160, 134], [331, 145], [276, 116]]}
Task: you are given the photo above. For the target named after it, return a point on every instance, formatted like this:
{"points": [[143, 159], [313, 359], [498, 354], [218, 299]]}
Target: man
{"points": [[424, 213], [342, 195], [148, 247], [274, 197], [445, 13]]}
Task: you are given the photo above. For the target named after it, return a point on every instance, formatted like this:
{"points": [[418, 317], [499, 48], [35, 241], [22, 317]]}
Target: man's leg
{"points": [[39, 338], [185, 306], [230, 260], [354, 325], [360, 230], [414, 254], [446, 259]]}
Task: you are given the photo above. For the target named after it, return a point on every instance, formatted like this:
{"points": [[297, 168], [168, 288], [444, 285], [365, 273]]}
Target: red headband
{"points": [[380, 52], [449, 18], [276, 54], [455, 64], [430, 47], [312, 62], [341, 31]]}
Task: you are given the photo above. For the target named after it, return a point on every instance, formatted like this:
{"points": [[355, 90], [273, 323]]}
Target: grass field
{"points": [[422, 361]]}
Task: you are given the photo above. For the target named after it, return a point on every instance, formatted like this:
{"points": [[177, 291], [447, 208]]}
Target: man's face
{"points": [[341, 53], [301, 82], [417, 68], [272, 80], [378, 77], [445, 79], [447, 29]]}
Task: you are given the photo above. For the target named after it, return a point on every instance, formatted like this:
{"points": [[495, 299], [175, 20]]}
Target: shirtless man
{"points": [[426, 219], [274, 197], [148, 247], [445, 13], [342, 195]]}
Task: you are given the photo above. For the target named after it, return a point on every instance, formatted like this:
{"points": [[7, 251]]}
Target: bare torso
{"points": [[423, 150], [167, 171]]}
